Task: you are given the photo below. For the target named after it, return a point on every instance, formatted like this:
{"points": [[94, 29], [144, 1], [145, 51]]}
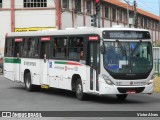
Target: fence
{"points": [[157, 66], [156, 57], [157, 75]]}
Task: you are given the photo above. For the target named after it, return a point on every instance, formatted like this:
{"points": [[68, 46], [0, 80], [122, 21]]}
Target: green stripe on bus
{"points": [[60, 62], [12, 60], [68, 63]]}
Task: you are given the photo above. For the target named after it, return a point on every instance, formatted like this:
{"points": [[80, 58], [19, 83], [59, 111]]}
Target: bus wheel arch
{"points": [[77, 86], [28, 80], [25, 72], [75, 77]]}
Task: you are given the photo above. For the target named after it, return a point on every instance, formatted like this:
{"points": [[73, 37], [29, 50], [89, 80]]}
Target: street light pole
{"points": [[159, 15], [97, 5], [159, 23], [127, 1]]}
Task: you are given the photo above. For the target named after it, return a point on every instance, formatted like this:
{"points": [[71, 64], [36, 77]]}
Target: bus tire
{"points": [[79, 90], [121, 97], [28, 84]]}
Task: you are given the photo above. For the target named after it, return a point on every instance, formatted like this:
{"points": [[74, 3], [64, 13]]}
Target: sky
{"points": [[151, 6]]}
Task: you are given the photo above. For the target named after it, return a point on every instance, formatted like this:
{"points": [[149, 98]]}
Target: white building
{"points": [[30, 15]]}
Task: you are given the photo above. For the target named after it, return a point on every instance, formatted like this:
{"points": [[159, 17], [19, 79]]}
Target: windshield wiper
{"points": [[136, 47], [121, 48]]}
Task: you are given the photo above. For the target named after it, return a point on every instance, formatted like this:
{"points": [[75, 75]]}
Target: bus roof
{"points": [[70, 31]]}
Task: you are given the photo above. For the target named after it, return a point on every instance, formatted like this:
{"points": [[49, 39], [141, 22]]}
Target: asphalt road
{"points": [[14, 97]]}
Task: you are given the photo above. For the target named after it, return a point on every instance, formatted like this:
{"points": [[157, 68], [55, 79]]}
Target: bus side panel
{"points": [[82, 72], [60, 75], [53, 77], [33, 65], [8, 71], [86, 86]]}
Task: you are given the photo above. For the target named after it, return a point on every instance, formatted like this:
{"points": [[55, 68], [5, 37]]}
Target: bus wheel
{"points": [[79, 90], [28, 83], [121, 97]]}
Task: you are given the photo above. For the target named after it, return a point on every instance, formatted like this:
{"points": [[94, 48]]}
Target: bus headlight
{"points": [[106, 78], [151, 80]]}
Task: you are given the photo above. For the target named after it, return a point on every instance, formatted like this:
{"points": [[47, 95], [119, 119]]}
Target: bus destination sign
{"points": [[126, 35]]}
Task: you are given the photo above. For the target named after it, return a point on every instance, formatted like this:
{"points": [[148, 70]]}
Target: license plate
{"points": [[45, 86], [131, 92]]}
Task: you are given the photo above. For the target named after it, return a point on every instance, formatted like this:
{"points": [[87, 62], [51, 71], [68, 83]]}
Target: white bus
{"points": [[85, 60]]}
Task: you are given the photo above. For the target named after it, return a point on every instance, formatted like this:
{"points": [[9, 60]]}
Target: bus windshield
{"points": [[128, 57]]}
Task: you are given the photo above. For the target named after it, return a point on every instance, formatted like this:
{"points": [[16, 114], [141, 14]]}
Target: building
{"points": [[31, 15]]}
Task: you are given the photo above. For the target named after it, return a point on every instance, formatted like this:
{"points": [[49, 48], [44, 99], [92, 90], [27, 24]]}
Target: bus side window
{"points": [[9, 47], [54, 46], [75, 47], [17, 49], [33, 47], [25, 47], [61, 47], [37, 48]]}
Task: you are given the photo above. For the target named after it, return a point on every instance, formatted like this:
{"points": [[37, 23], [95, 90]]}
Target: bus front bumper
{"points": [[105, 89]]}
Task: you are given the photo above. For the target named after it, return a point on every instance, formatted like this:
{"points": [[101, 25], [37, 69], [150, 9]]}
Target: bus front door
{"points": [[44, 54], [94, 62]]}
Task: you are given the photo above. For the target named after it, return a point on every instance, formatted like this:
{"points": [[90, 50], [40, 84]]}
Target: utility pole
{"points": [[159, 15], [159, 23], [135, 14], [97, 5], [97, 15], [127, 1]]}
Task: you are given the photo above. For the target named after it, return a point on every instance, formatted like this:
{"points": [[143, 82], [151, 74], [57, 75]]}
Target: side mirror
{"points": [[102, 49]]}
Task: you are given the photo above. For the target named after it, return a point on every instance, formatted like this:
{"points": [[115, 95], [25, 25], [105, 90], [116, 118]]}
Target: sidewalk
{"points": [[157, 84]]}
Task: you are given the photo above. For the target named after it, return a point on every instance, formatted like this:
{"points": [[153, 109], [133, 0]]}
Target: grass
{"points": [[157, 84]]}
